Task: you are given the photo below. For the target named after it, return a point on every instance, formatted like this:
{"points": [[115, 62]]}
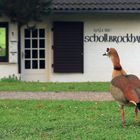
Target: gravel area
{"points": [[80, 96]]}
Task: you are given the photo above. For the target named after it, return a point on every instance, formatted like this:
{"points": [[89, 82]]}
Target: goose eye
{"points": [[107, 49]]}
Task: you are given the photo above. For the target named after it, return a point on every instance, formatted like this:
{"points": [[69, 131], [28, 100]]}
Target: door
{"points": [[33, 54]]}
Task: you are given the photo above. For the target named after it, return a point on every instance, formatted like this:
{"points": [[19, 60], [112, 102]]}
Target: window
{"points": [[3, 42], [34, 48]]}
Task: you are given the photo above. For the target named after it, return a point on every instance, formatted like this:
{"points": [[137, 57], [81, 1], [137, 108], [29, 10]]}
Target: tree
{"points": [[24, 11]]}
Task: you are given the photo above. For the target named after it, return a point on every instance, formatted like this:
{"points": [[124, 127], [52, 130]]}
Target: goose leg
{"points": [[136, 117], [122, 113]]}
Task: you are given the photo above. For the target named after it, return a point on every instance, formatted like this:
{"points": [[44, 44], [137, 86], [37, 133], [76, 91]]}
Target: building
{"points": [[68, 45]]}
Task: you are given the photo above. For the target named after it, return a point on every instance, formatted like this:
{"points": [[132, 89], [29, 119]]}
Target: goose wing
{"points": [[129, 85]]}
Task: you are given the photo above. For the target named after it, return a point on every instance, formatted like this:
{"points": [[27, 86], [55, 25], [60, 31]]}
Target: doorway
{"points": [[33, 54]]}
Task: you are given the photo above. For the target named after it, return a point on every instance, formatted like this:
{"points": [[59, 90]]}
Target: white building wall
{"points": [[97, 67]]}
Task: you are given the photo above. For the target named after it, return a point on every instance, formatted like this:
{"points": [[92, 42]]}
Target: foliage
{"points": [[10, 78], [65, 120], [2, 42], [24, 11]]}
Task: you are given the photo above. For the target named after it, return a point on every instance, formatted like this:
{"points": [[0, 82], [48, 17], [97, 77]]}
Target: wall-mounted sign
{"points": [[13, 52]]}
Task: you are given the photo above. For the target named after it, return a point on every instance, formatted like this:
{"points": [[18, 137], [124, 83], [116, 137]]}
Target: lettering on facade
{"points": [[103, 35]]}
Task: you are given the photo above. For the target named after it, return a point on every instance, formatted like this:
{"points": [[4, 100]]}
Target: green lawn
{"points": [[65, 120], [57, 87]]}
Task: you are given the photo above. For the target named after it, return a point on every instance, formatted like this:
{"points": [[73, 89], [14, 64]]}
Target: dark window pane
{"points": [[27, 33], [41, 43], [27, 43], [41, 32], [41, 53], [34, 54], [34, 43], [42, 64], [34, 33], [34, 64], [27, 64], [27, 54]]}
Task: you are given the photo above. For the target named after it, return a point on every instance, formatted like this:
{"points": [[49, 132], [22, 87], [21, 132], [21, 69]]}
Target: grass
{"points": [[64, 120], [13, 84], [54, 87]]}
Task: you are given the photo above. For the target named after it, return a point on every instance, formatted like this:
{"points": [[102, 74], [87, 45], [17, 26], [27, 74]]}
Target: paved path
{"points": [[81, 96]]}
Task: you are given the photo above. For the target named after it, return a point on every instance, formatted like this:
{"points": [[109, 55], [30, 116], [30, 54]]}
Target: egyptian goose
{"points": [[124, 88]]}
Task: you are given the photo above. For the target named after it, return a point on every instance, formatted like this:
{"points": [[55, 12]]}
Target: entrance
{"points": [[33, 54]]}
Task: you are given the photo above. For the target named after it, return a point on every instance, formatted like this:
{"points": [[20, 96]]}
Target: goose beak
{"points": [[105, 54]]}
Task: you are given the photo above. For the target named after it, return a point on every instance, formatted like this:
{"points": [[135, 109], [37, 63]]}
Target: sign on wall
{"points": [[13, 52], [13, 44]]}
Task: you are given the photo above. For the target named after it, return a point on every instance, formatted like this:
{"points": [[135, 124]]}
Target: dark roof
{"points": [[93, 6]]}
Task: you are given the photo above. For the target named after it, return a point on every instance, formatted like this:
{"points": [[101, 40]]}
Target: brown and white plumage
{"points": [[124, 88]]}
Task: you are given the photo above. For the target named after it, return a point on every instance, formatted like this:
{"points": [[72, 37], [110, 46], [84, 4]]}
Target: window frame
{"points": [[34, 47], [5, 58]]}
